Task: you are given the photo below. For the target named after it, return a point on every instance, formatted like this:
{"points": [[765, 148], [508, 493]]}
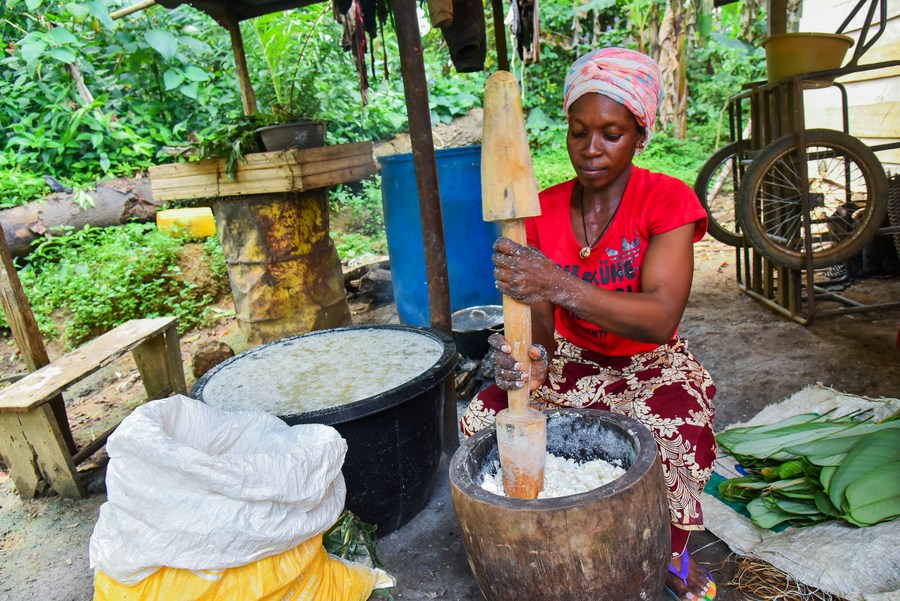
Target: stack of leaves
{"points": [[350, 537], [809, 468]]}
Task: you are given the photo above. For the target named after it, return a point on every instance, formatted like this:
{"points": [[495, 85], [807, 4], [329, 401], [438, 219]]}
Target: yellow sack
{"points": [[304, 573]]}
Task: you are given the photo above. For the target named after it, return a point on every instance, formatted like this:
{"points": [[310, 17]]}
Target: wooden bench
{"points": [[31, 439]]}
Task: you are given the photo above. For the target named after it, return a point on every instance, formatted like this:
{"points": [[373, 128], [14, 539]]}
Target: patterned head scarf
{"points": [[628, 77]]}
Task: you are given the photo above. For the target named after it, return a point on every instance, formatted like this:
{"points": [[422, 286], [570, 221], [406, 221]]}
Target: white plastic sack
{"points": [[190, 486]]}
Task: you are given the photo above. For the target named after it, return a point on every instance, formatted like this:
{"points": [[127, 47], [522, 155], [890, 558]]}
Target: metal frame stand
{"points": [[776, 110]]}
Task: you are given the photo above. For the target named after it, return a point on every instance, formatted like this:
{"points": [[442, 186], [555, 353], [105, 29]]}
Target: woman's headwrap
{"points": [[628, 77]]}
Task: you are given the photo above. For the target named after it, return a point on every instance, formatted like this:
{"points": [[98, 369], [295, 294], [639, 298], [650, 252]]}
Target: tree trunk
{"points": [[115, 202], [673, 110]]}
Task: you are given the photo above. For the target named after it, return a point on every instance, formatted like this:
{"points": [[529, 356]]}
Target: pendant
{"points": [[585, 252]]}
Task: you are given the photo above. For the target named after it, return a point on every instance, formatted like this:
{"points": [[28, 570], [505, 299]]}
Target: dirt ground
{"points": [[756, 356]]}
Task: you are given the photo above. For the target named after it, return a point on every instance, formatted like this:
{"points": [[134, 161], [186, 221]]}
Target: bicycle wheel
{"points": [[716, 187], [847, 199]]}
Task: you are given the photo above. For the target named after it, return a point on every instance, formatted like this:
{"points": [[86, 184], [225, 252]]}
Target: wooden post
{"points": [[36, 430], [124, 12], [25, 331], [248, 96], [412, 68], [777, 10], [159, 362], [500, 35]]}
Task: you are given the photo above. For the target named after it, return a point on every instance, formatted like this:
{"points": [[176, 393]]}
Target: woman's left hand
{"points": [[523, 272]]}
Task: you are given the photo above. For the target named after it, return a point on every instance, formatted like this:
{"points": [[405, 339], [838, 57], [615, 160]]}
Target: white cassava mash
{"points": [[562, 477], [324, 370]]}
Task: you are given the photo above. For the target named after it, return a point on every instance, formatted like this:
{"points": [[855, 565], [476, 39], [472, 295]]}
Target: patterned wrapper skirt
{"points": [[666, 389]]}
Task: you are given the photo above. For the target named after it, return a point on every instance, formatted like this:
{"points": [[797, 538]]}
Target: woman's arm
{"points": [[542, 326], [651, 315]]}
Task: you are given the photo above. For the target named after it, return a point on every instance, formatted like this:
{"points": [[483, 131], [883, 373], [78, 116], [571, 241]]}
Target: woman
{"points": [[607, 273]]}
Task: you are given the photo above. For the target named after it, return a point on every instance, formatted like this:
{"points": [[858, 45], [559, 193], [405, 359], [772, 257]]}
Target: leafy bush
{"points": [[678, 158], [84, 98], [359, 232], [140, 277]]}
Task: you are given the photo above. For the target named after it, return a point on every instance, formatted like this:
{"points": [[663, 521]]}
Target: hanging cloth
{"points": [[466, 36], [526, 29], [354, 40], [440, 12]]}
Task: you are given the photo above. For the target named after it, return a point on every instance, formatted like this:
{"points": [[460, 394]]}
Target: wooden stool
{"points": [[30, 436]]}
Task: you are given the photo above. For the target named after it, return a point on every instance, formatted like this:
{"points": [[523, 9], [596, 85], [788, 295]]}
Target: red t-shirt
{"points": [[653, 203]]}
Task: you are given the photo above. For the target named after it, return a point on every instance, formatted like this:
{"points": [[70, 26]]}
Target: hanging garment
{"points": [[526, 30], [354, 40], [440, 12], [466, 36]]}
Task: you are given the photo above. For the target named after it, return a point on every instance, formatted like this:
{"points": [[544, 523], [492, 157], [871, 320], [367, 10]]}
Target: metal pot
{"points": [[473, 325]]}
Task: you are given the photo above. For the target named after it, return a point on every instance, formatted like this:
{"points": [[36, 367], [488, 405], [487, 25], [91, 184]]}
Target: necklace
{"points": [[585, 252]]}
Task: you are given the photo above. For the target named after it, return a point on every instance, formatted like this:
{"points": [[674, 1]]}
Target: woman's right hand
{"points": [[508, 372]]}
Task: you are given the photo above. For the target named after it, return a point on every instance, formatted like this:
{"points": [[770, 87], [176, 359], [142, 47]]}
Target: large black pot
{"points": [[393, 438]]}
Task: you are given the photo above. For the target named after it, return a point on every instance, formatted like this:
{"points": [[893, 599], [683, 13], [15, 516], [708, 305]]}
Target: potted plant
{"points": [[293, 120]]}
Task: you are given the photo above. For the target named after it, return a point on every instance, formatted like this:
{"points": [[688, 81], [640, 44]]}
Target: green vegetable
{"points": [[875, 497], [810, 468]]}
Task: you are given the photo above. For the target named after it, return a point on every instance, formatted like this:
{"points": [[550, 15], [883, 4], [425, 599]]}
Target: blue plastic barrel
{"points": [[467, 237]]}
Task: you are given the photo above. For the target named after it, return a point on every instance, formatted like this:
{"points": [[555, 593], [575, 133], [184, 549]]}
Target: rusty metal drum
{"points": [[284, 270], [612, 542]]}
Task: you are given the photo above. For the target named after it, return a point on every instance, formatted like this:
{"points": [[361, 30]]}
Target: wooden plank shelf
{"points": [[291, 170]]}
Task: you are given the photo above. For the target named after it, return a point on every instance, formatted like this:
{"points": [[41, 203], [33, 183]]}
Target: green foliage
{"points": [[232, 140], [350, 537], [139, 277], [552, 164], [287, 61], [809, 468], [143, 78], [359, 230], [718, 70], [214, 256], [678, 158]]}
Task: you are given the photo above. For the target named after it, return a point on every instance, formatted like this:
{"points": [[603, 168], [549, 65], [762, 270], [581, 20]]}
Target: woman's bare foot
{"points": [[688, 580]]}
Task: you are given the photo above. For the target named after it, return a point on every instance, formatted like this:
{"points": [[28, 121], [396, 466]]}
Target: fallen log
{"points": [[116, 201]]}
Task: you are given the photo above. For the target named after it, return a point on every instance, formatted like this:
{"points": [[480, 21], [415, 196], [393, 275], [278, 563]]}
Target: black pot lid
{"points": [[476, 319]]}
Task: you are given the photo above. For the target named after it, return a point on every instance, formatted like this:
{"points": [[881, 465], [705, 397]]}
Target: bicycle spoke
{"points": [[841, 202]]}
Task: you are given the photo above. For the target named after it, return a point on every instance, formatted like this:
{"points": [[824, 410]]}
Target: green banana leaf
{"points": [[875, 497], [741, 489], [839, 442], [771, 444], [734, 436], [801, 494], [824, 505], [826, 475], [766, 515], [795, 507], [826, 460], [875, 451]]}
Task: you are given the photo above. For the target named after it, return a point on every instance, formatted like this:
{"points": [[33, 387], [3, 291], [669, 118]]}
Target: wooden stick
{"points": [[248, 96], [124, 12], [509, 192]]}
